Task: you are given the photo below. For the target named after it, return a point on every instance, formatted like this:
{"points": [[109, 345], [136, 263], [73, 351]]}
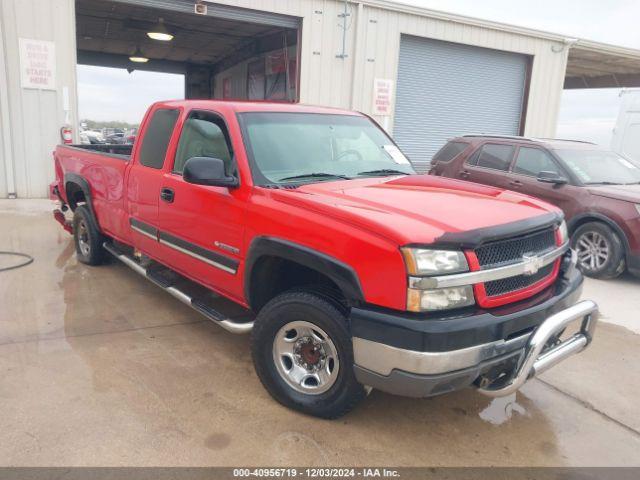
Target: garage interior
{"points": [[223, 52]]}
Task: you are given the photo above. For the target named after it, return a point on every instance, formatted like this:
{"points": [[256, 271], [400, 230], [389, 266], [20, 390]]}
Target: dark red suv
{"points": [[598, 190]]}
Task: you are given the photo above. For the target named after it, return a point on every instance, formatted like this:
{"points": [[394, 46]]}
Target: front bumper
{"points": [[496, 350]]}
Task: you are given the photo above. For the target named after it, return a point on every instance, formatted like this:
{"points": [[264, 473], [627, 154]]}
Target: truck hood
{"points": [[627, 193], [416, 208]]}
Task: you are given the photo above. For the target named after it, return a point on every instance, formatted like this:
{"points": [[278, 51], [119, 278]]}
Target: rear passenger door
{"points": [[489, 165], [145, 177]]}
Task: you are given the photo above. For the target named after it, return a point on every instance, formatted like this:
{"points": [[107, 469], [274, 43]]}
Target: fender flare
{"points": [[83, 184], [339, 272], [598, 217]]}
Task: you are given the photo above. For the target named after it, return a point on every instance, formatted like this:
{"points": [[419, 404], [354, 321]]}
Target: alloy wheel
{"points": [[83, 238], [593, 250]]}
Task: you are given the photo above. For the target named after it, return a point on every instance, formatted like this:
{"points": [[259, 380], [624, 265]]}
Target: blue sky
{"points": [[584, 114]]}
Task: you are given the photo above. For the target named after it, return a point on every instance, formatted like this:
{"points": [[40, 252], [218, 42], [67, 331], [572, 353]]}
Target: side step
{"points": [[196, 296]]}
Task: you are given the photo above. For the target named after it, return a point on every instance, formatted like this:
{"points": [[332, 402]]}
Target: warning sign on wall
{"points": [[37, 64], [382, 92]]}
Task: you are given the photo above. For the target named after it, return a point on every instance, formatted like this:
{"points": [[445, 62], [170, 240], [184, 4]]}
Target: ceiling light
{"points": [[138, 56], [160, 32]]}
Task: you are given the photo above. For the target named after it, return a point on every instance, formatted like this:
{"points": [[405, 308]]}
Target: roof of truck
{"points": [[257, 106]]}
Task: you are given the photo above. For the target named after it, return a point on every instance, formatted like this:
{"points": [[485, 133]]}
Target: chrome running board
{"points": [[199, 305]]}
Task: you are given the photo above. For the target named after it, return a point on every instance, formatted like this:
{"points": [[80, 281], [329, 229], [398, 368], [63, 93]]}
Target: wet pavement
{"points": [[98, 367]]}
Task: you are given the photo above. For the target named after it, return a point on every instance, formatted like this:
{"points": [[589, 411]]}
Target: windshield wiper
{"points": [[384, 172], [315, 175]]}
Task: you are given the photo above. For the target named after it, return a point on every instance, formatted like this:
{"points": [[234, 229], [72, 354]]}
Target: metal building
{"points": [[423, 75]]}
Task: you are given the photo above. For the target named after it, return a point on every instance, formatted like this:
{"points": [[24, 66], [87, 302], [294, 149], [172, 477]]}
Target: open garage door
{"points": [[224, 52], [447, 89]]}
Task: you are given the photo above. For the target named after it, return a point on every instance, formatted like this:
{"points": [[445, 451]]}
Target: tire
{"points": [[600, 251], [315, 337], [87, 238]]}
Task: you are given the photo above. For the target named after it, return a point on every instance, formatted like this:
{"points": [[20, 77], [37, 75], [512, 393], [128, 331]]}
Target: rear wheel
{"points": [[87, 238], [303, 355], [600, 250]]}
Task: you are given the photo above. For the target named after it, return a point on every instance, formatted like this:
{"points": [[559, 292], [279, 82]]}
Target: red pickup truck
{"points": [[309, 228]]}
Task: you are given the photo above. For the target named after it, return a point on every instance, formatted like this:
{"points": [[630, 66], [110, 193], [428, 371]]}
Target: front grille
{"points": [[513, 284], [511, 250]]}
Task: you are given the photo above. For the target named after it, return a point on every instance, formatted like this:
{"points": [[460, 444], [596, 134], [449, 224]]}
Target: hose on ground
{"points": [[29, 259]]}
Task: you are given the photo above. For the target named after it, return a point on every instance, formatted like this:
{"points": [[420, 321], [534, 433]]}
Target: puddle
{"points": [[501, 410]]}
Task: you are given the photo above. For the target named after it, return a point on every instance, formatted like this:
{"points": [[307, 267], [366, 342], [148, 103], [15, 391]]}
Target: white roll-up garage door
{"points": [[448, 89]]}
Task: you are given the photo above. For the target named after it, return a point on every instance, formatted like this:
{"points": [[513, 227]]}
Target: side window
{"points": [[532, 161], [495, 156], [203, 135], [450, 151], [156, 138]]}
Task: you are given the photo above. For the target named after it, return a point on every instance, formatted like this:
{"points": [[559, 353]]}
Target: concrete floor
{"points": [[100, 368]]}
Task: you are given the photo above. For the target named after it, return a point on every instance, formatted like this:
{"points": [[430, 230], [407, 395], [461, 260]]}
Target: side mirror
{"points": [[207, 171], [551, 177]]}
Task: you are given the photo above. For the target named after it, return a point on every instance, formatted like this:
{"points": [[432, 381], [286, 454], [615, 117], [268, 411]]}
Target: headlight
{"points": [[439, 299], [638, 208], [422, 261], [564, 233]]}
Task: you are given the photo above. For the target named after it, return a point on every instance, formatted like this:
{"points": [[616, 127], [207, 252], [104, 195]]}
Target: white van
{"points": [[626, 135]]}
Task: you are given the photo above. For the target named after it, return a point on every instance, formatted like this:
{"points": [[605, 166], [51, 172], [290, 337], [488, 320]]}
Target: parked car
{"points": [[309, 228], [91, 137], [130, 136], [598, 190], [117, 138]]}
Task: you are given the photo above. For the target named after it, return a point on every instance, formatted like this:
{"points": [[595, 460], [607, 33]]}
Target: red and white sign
{"points": [[382, 96], [37, 64]]}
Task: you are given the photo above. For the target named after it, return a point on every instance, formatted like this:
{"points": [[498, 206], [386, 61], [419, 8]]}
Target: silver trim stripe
{"points": [[142, 232], [199, 257], [481, 276]]}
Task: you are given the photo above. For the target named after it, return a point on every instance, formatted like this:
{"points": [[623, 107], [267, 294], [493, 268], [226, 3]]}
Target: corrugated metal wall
{"points": [[373, 44], [448, 89], [372, 40], [34, 117]]}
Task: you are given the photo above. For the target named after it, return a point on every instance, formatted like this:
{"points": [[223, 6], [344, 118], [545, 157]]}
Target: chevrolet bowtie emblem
{"points": [[532, 263]]}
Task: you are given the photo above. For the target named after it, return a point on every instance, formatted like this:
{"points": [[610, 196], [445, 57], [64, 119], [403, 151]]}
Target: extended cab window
{"points": [[450, 151], [494, 156], [532, 161], [156, 138], [204, 134]]}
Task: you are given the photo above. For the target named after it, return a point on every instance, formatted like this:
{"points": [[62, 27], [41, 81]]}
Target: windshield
{"points": [[594, 167], [310, 147]]}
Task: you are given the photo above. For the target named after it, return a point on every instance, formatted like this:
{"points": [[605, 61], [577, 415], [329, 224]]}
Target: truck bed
{"points": [[103, 168], [110, 149]]}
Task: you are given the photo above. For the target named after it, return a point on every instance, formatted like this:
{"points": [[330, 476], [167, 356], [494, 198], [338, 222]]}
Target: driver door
{"points": [[528, 163], [201, 227]]}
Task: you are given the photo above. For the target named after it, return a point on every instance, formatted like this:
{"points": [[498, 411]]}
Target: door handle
{"points": [[515, 183], [166, 194], [465, 174]]}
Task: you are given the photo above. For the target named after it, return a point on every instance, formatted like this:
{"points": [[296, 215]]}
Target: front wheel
{"points": [[303, 355], [600, 250]]}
